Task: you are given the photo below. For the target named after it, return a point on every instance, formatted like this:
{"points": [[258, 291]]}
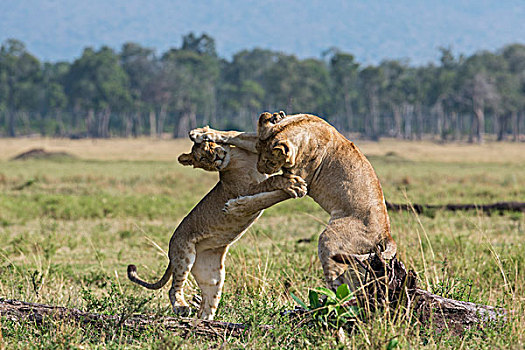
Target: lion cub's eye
{"points": [[202, 159]]}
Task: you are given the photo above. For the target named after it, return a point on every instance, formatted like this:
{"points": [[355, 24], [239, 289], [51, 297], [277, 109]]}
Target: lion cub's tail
{"points": [[132, 275]]}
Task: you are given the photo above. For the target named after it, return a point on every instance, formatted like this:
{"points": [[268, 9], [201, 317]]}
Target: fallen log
{"points": [[454, 316], [389, 283], [419, 208], [21, 311]]}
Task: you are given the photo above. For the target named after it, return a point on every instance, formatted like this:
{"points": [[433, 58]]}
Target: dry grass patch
{"points": [[427, 151], [101, 149]]}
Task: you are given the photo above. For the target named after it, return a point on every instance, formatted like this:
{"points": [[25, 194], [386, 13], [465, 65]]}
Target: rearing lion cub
{"points": [[203, 237], [339, 177]]}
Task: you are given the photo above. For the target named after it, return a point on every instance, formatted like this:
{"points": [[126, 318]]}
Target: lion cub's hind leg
{"points": [[342, 245], [183, 258], [209, 273]]}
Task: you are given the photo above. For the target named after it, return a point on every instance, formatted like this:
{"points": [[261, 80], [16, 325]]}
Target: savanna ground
{"points": [[70, 226]]}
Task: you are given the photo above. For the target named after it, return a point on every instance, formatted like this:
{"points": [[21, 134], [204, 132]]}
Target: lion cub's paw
{"points": [[182, 310], [197, 135], [295, 186], [235, 206], [200, 135]]}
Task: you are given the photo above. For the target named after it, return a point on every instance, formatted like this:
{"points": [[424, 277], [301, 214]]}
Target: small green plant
{"points": [[392, 344], [334, 309]]}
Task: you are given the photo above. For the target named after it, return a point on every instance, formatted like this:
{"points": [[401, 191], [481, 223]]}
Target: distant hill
{"points": [[371, 30]]}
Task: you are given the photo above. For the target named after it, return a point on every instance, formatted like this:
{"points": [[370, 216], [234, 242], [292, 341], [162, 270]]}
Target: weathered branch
{"points": [[453, 315], [22, 311], [390, 282], [419, 208]]}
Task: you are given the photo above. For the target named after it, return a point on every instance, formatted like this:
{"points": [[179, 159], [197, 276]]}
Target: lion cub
{"points": [[200, 242]]}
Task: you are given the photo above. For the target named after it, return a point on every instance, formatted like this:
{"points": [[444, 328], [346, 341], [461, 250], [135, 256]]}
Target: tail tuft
{"points": [[133, 276], [132, 272]]}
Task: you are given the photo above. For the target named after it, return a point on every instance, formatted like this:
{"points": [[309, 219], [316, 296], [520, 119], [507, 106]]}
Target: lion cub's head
{"points": [[207, 155], [274, 148]]}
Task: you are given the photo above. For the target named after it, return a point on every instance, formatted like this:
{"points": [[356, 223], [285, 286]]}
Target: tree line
{"points": [[136, 92]]}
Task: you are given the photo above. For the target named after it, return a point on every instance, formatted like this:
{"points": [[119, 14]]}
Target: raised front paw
{"points": [[199, 135], [294, 185], [235, 206]]}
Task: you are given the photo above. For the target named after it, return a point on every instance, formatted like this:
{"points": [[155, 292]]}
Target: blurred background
{"points": [[444, 70]]}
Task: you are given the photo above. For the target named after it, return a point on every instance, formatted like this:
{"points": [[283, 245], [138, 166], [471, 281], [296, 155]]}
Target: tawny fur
{"points": [[339, 177], [201, 241]]}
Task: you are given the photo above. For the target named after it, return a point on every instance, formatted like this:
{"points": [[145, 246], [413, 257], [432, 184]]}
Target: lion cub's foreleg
{"points": [[247, 205], [209, 273], [273, 190], [244, 140], [293, 185], [182, 257]]}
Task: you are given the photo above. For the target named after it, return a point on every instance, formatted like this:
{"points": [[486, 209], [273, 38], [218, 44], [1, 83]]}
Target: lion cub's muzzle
{"points": [[217, 156], [207, 155]]}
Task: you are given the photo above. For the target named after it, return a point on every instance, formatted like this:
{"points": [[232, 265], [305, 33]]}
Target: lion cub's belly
{"points": [[225, 232]]}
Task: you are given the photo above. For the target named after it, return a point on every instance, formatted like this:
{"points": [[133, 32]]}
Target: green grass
{"points": [[69, 228]]}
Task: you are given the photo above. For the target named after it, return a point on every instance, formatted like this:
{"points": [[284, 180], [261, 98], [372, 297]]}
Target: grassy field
{"points": [[69, 226]]}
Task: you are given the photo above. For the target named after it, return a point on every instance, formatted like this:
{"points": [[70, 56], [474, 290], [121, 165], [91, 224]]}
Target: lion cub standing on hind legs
{"points": [[340, 179], [201, 241]]}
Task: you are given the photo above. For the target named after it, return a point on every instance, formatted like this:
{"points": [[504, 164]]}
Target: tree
{"points": [[398, 95], [20, 74], [203, 45], [442, 98], [479, 90], [279, 81], [311, 88], [344, 76], [55, 98], [97, 85], [141, 67], [193, 71], [372, 81], [512, 86], [241, 92]]}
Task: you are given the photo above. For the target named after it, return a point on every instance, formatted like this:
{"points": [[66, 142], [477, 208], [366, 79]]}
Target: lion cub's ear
{"points": [[264, 126], [186, 159], [277, 117], [286, 150], [265, 119]]}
